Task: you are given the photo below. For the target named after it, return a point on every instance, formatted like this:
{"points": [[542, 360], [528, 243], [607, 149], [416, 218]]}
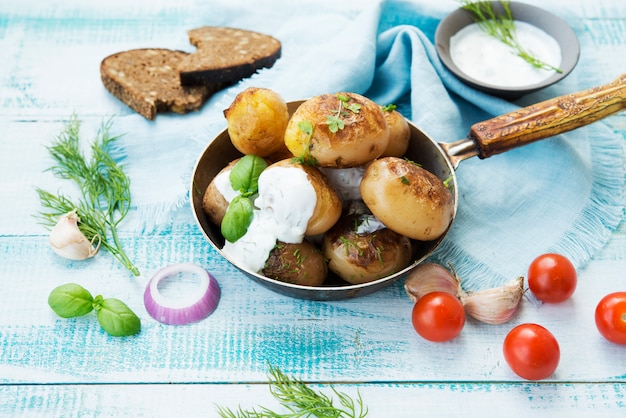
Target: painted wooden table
{"points": [[49, 57]]}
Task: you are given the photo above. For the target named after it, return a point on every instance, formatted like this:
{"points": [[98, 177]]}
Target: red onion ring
{"points": [[193, 308]]}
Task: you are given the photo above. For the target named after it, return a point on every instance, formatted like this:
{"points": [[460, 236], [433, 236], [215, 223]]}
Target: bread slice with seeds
{"points": [[226, 55], [147, 80]]}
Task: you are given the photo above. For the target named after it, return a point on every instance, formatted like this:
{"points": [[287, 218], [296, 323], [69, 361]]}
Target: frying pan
{"points": [[487, 138]]}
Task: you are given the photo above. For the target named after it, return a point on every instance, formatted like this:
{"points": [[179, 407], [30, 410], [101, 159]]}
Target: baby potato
{"points": [[300, 263], [328, 204], [213, 202], [360, 255], [407, 198], [399, 134], [337, 130], [257, 120]]}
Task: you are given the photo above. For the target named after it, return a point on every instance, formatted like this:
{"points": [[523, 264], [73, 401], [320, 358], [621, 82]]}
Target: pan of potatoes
{"points": [[336, 196], [324, 199]]}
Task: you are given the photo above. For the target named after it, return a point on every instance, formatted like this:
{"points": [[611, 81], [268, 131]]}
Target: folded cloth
{"points": [[563, 194]]}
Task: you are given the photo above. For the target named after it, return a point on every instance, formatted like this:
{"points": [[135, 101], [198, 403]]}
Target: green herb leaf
{"points": [[305, 127], [103, 185], [237, 218], [334, 123], [302, 401], [70, 300], [389, 107], [354, 107], [244, 176], [116, 318], [306, 158], [343, 98]]}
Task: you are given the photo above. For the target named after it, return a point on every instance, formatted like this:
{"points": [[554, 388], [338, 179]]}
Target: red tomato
{"points": [[552, 278], [438, 316], [611, 317], [531, 351]]}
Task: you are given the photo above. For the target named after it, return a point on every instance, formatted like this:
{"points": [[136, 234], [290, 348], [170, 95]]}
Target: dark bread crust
{"points": [[147, 81], [226, 55]]}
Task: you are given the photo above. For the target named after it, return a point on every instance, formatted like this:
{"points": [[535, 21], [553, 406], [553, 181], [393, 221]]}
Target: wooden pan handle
{"points": [[548, 118]]}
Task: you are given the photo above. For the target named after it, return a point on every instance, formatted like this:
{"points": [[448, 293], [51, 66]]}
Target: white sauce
{"points": [[345, 181], [284, 205], [223, 185], [486, 59], [369, 224]]}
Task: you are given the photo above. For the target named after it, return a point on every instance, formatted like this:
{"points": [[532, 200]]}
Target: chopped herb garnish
{"points": [[306, 158], [334, 120]]}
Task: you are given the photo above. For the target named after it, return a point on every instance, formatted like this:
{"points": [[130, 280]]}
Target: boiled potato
{"points": [[257, 120], [399, 133], [300, 263], [346, 130], [213, 202], [407, 198], [358, 252], [328, 204]]}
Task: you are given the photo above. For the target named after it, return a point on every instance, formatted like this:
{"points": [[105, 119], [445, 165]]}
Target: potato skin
{"points": [[407, 198], [328, 205], [257, 119], [213, 202], [364, 137], [362, 258], [300, 263], [399, 134]]}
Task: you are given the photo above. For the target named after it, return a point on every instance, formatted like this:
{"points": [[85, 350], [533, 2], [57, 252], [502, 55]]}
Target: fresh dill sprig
{"points": [[301, 401], [502, 27], [103, 185]]}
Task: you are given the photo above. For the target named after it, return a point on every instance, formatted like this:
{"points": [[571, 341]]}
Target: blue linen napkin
{"points": [[564, 194]]}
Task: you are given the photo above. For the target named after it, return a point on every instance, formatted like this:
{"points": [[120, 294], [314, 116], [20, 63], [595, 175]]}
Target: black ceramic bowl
{"points": [[542, 19]]}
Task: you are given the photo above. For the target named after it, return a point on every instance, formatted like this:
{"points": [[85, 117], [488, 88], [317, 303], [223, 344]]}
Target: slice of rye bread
{"points": [[147, 81], [226, 55]]}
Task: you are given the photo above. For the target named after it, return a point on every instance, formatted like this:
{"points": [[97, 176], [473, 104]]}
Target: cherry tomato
{"points": [[531, 351], [552, 278], [438, 316], [611, 317]]}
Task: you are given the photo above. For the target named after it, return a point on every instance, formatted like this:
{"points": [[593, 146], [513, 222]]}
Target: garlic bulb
{"points": [[431, 277], [496, 305], [69, 242]]}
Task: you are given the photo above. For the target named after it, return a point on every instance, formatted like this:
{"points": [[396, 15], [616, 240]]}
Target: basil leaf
{"points": [[244, 176], [70, 300], [237, 218], [116, 318]]}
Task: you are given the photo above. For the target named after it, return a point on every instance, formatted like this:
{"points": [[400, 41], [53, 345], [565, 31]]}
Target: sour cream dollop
{"points": [[285, 203], [486, 59]]}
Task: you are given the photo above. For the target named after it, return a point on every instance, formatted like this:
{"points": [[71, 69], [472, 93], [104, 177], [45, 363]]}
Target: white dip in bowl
{"points": [[488, 60]]}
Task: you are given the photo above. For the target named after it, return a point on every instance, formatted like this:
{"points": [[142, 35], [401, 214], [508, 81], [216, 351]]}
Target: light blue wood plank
{"points": [[443, 399]]}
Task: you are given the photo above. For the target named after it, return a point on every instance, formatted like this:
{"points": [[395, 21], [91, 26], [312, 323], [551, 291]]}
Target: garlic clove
{"points": [[431, 277], [496, 305], [69, 242]]}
